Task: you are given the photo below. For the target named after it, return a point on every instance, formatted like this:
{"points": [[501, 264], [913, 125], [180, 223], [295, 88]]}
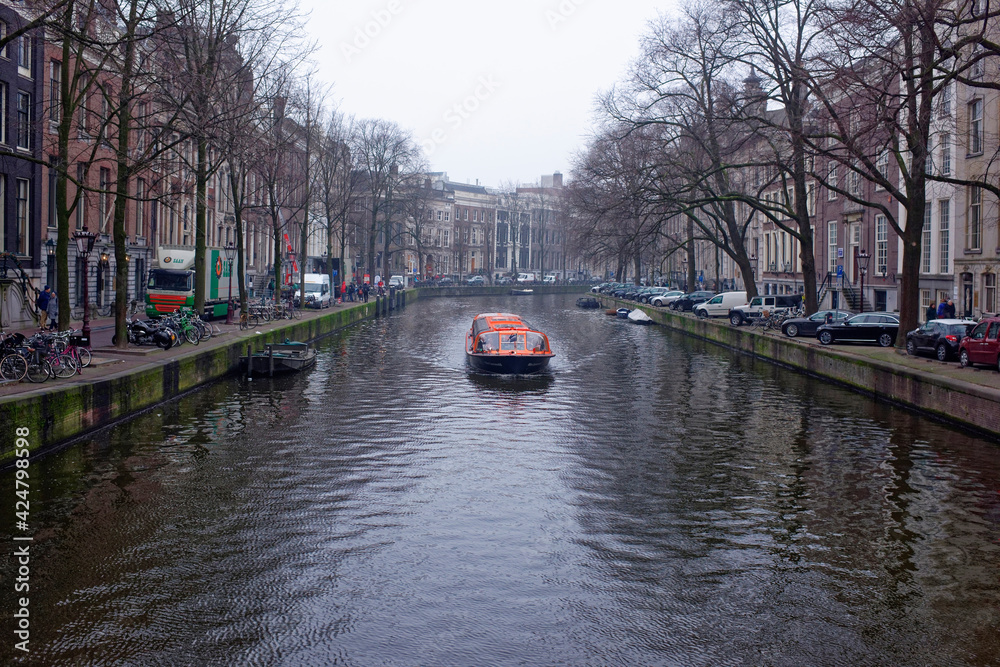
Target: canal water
{"points": [[652, 500]]}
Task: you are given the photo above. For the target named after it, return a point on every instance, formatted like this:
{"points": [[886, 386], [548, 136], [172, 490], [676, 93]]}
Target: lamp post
{"points": [[230, 251], [863, 258], [84, 246]]}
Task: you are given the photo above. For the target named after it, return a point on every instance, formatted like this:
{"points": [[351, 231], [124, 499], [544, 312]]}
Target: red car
{"points": [[982, 345]]}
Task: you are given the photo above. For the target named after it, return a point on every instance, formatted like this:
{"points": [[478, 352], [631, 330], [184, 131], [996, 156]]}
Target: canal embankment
{"points": [[966, 397], [58, 411]]}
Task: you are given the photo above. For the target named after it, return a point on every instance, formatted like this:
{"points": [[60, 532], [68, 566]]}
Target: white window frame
{"points": [[974, 235], [944, 235], [925, 240], [976, 126], [831, 178], [881, 243], [24, 49], [945, 147], [22, 212], [831, 234]]}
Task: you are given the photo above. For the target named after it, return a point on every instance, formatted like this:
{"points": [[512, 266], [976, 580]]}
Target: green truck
{"points": [[172, 283]]}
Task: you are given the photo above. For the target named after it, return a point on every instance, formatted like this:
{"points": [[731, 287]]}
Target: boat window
{"points": [[511, 341], [535, 342], [488, 342]]}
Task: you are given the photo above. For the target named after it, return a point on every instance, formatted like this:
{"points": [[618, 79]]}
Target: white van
{"points": [[318, 294], [720, 304], [526, 277], [550, 279]]}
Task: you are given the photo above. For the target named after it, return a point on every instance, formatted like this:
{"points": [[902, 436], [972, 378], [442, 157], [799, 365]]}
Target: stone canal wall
{"points": [[55, 413], [963, 403]]}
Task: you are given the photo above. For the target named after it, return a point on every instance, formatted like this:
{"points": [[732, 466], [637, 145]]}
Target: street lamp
{"points": [[230, 251], [863, 258], [85, 246]]}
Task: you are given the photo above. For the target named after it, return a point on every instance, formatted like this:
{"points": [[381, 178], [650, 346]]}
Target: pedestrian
{"points": [[52, 310], [364, 288], [941, 307], [42, 301], [931, 312], [949, 309]]}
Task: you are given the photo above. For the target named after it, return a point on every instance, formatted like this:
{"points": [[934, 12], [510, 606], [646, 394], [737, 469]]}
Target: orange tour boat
{"points": [[504, 343]]}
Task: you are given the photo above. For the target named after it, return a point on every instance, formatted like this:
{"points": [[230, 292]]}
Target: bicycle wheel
{"points": [[296, 313], [84, 355], [244, 321], [266, 314], [205, 330], [38, 371], [192, 335], [63, 366], [13, 367]]}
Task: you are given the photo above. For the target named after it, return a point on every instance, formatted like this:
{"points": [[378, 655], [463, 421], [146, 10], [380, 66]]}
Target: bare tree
{"points": [[382, 151], [336, 185]]}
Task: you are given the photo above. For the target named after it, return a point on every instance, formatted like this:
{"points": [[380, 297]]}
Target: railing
{"points": [[9, 262]]}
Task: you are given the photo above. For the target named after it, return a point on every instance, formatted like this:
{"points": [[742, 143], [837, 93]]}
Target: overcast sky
{"points": [[494, 91]]}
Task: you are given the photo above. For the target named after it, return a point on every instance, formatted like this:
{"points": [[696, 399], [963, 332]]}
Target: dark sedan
{"points": [[691, 299], [807, 326], [881, 328], [939, 337]]}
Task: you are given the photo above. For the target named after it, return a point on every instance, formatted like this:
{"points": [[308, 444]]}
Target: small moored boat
{"points": [[622, 313], [588, 302], [521, 292], [287, 357], [504, 343], [639, 317]]}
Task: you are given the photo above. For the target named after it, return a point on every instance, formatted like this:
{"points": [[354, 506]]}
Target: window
{"points": [[24, 120], [140, 205], [945, 154], [946, 101], [445, 238], [944, 232], [3, 35], [53, 176], [975, 127], [23, 215], [831, 227], [447, 216], [831, 179], [881, 244], [854, 182], [929, 158], [3, 113], [81, 199], [975, 229], [810, 202], [439, 215], [466, 214], [976, 63], [24, 56], [882, 164], [925, 240], [82, 128], [55, 91], [989, 292], [103, 197]]}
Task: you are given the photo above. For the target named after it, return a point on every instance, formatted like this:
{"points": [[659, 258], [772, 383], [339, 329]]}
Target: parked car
{"points": [[720, 304], [666, 299], [445, 282], [940, 337], [475, 281], [504, 280], [982, 345], [806, 326], [691, 299], [399, 282], [647, 296], [880, 328], [769, 303]]}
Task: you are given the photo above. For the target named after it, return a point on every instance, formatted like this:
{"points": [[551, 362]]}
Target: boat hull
{"points": [[512, 364]]}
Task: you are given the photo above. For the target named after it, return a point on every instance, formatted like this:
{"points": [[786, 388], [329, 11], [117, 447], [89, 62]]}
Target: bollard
{"points": [[270, 361], [249, 361]]}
